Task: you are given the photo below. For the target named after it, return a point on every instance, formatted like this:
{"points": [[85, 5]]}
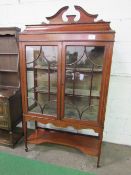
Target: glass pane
{"points": [[41, 62], [82, 81]]}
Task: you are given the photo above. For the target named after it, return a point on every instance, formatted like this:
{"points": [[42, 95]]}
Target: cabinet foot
{"points": [[26, 149], [98, 162]]}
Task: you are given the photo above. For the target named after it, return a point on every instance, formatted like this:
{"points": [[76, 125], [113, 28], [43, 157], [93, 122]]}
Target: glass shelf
{"points": [[84, 70], [5, 53], [9, 71], [68, 92]]}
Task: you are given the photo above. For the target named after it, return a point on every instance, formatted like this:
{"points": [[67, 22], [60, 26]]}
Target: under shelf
{"points": [[86, 144]]}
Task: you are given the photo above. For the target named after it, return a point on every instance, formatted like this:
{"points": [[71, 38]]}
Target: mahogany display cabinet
{"points": [[65, 71], [10, 95]]}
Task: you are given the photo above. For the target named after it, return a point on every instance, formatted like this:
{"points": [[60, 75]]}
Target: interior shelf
{"points": [[84, 70], [13, 71], [78, 92], [86, 144], [8, 53]]}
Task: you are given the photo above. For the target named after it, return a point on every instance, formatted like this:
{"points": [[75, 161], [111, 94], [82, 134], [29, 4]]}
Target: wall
{"points": [[118, 114]]}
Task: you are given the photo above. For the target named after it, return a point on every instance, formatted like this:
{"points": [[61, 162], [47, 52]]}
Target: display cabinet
{"points": [[10, 95], [65, 70]]}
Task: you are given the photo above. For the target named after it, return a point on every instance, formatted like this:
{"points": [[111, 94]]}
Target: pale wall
{"points": [[118, 115]]}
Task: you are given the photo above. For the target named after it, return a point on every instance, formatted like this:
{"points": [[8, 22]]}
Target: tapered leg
{"points": [[98, 161], [99, 151], [25, 135]]}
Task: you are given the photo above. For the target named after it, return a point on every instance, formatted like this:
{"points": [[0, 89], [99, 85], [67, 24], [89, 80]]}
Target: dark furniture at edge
{"points": [[10, 95]]}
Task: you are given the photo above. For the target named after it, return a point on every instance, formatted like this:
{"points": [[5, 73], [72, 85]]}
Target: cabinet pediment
{"points": [[86, 22], [84, 16]]}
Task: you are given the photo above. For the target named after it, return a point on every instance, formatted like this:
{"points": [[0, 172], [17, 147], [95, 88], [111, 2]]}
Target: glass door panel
{"points": [[41, 64], [82, 81]]}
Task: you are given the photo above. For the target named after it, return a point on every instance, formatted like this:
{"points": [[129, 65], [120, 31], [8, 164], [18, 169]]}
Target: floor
{"points": [[115, 159]]}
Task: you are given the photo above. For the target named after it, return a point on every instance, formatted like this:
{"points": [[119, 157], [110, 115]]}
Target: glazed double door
{"points": [[64, 79]]}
